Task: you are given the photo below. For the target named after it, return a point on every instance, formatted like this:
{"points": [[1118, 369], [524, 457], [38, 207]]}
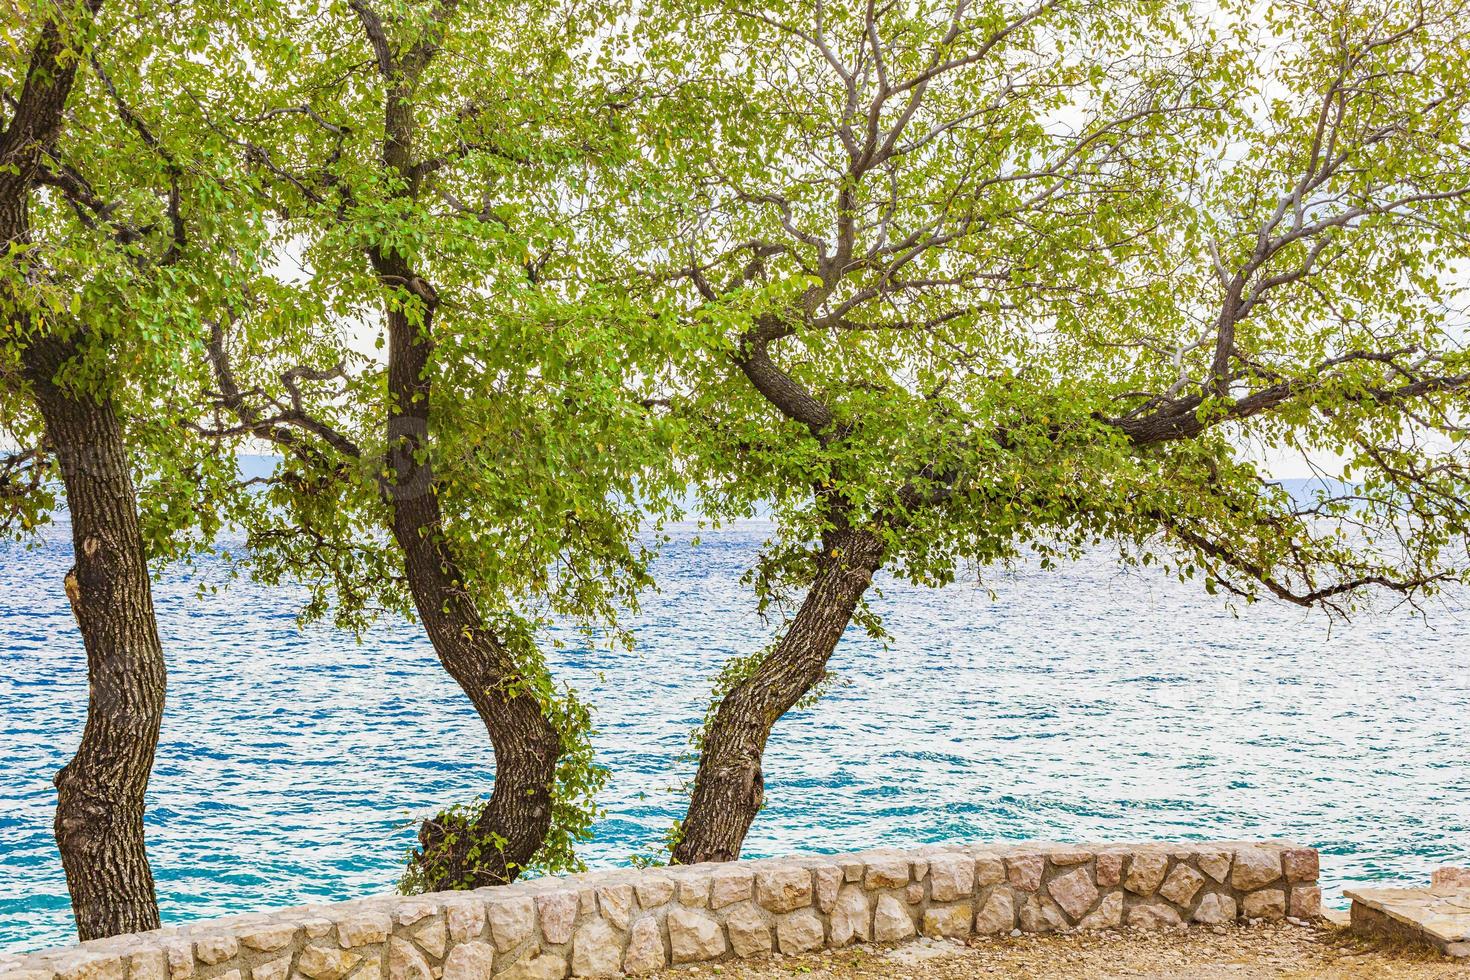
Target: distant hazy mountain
{"points": [[1301, 490]]}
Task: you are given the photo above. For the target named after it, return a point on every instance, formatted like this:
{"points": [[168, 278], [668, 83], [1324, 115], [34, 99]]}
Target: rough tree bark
{"points": [[527, 746], [729, 787], [99, 814]]}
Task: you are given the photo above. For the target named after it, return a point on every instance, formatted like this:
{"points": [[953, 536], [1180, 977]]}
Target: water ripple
{"points": [[1081, 704]]}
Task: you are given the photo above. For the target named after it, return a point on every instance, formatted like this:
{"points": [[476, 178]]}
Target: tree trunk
{"points": [[729, 787], [527, 746], [512, 826], [99, 812]]}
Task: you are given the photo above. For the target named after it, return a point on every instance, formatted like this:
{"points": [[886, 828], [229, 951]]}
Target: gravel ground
{"points": [[1244, 953]]}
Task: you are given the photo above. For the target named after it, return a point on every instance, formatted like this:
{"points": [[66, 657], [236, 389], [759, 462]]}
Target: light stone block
{"points": [[1074, 892], [799, 932], [512, 921], [826, 880], [1041, 914], [364, 930], [558, 912], [470, 961], [325, 963], [998, 914], [1216, 864], [851, 919], [694, 891], [432, 934], [989, 871], [1268, 903], [1146, 872], [148, 964], [730, 885], [213, 950], [783, 889], [1300, 864], [587, 900], [946, 921], [645, 948], [1182, 885], [1107, 915], [465, 919], [615, 902], [1153, 915], [1215, 910], [694, 936], [891, 921], [406, 961], [951, 878], [180, 957], [276, 969], [411, 912], [654, 891], [750, 931], [269, 937], [886, 873], [1109, 868], [597, 950], [1254, 868], [1305, 902], [83, 965], [1024, 871], [371, 967]]}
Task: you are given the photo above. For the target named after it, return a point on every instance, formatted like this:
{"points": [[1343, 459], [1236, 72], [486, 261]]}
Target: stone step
{"points": [[1438, 915]]}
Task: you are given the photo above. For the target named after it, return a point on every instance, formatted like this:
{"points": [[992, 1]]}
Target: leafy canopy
{"points": [[993, 276]]}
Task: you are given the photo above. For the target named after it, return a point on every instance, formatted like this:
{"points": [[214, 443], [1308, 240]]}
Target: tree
{"points": [[995, 279], [435, 167], [100, 209]]}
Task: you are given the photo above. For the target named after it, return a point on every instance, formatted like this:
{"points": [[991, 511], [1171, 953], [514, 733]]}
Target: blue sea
{"points": [[1075, 704]]}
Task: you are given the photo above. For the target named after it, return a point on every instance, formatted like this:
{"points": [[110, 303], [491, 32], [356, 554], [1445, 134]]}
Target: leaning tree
{"points": [[991, 279], [115, 206], [454, 376]]}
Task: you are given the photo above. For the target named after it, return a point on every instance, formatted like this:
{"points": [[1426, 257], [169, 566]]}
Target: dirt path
{"points": [[1246, 953]]}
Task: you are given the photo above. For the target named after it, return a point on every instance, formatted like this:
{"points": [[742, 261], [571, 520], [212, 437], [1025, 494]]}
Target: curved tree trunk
{"points": [[729, 787], [99, 812], [527, 746]]}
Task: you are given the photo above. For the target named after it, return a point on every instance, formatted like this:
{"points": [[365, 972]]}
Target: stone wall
{"points": [[609, 923]]}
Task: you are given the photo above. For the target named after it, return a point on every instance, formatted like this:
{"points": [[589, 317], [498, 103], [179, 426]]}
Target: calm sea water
{"points": [[1078, 704]]}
